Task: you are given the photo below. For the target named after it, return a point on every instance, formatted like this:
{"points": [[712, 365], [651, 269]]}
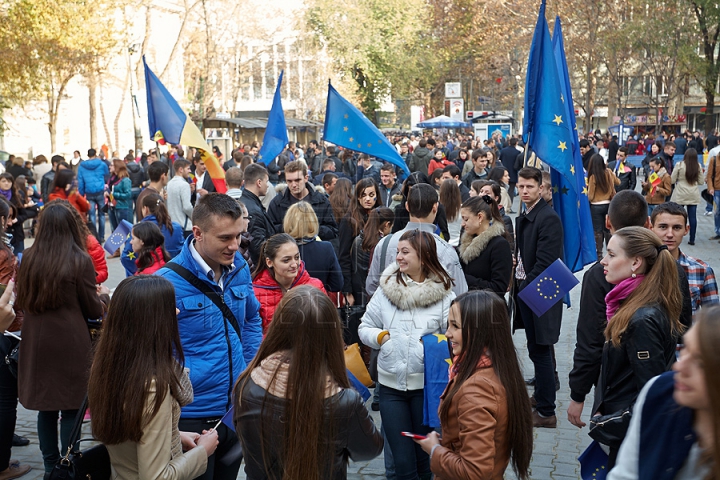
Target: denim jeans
{"points": [[650, 209], [97, 200], [48, 435], [113, 218], [123, 214], [403, 412], [716, 197], [542, 358], [8, 403]]}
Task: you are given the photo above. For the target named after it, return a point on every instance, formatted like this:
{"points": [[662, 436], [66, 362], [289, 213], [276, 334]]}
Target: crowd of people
{"points": [[224, 344]]}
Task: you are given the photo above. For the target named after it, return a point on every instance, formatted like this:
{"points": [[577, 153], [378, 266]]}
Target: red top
{"points": [[158, 263], [75, 199], [97, 253]]}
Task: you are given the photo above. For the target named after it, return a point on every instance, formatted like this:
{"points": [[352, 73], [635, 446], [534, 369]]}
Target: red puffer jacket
{"points": [[97, 253], [158, 263], [269, 293]]}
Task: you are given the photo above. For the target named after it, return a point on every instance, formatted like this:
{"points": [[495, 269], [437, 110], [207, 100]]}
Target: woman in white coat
{"points": [[413, 300]]}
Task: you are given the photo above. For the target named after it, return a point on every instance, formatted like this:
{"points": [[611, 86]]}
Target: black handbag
{"points": [[11, 360], [611, 429], [90, 464], [350, 316], [707, 197]]}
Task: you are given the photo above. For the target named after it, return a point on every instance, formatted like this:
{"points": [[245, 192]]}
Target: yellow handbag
{"points": [[354, 362]]}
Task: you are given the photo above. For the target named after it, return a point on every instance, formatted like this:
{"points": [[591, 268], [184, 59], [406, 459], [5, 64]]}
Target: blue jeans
{"points": [[716, 197], [135, 194], [97, 200], [403, 412], [123, 214], [48, 435], [650, 209], [692, 218]]}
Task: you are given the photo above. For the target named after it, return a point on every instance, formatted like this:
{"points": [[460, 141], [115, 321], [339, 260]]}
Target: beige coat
{"points": [[152, 458], [685, 193]]}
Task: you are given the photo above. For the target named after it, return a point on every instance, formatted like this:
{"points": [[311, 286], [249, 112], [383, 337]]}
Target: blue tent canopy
{"points": [[443, 121]]}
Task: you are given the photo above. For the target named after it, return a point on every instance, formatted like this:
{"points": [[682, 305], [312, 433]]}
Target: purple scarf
{"points": [[6, 193], [619, 293]]}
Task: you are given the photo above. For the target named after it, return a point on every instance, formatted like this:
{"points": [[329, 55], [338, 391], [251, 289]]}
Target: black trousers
{"points": [[8, 402], [224, 464]]}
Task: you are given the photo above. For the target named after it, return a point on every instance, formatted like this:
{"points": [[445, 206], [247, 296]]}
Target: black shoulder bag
{"points": [[206, 290], [91, 463]]}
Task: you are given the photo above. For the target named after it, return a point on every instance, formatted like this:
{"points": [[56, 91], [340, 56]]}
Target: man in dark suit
{"points": [[507, 158], [203, 182], [539, 234]]}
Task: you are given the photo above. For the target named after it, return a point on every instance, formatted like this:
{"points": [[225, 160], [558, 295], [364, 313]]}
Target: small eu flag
{"points": [[117, 239], [346, 126], [593, 463], [437, 361], [548, 288]]}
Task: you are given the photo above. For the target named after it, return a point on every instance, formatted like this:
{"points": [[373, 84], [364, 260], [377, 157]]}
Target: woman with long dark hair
{"points": [[91, 245], [299, 376], [25, 209], [279, 269], [57, 296], [687, 176], [366, 197], [340, 198], [494, 190], [675, 424], [643, 311], [451, 199], [485, 411], [412, 300], [378, 225], [601, 189], [484, 251], [148, 243], [138, 384]]}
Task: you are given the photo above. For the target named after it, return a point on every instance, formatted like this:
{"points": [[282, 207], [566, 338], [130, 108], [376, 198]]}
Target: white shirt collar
{"points": [[206, 268]]}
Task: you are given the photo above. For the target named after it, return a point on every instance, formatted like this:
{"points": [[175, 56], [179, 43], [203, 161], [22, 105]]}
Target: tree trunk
{"points": [[92, 89], [709, 111]]}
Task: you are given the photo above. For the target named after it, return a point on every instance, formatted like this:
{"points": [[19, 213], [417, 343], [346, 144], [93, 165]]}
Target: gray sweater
{"points": [[178, 202]]}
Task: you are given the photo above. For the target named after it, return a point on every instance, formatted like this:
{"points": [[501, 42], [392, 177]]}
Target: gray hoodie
{"points": [[420, 160]]}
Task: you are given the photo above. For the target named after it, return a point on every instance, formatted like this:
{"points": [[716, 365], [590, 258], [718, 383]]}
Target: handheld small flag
{"points": [[593, 463], [437, 361], [227, 419], [548, 288], [168, 121], [357, 385], [654, 180], [117, 239], [346, 126], [276, 137]]}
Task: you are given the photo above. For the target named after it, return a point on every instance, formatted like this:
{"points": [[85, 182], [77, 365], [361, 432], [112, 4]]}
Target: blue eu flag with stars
{"points": [[276, 137], [117, 239], [593, 463], [548, 288], [347, 127], [437, 362]]}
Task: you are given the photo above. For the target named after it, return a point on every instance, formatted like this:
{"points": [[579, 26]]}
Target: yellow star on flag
{"points": [[585, 191], [562, 98], [346, 115], [563, 146], [558, 120], [352, 139], [369, 145], [555, 189], [449, 362], [572, 169], [345, 129], [131, 255], [440, 337]]}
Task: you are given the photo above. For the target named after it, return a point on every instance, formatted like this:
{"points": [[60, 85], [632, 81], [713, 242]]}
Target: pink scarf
{"points": [[619, 293]]}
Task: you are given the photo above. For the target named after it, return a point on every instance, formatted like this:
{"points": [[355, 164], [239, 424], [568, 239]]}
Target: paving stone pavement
{"points": [[555, 450]]}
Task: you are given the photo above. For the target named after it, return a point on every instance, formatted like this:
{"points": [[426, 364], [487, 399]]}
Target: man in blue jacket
{"points": [[91, 177], [214, 352]]}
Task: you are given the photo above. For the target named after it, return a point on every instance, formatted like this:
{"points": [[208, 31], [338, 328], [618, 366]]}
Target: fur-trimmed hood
{"points": [[471, 247], [414, 295]]}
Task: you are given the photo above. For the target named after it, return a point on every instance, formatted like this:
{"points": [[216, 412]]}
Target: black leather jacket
{"points": [[354, 433], [647, 349]]}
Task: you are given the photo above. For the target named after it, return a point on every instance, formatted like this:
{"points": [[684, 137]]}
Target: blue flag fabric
{"points": [[437, 361], [164, 114], [117, 239], [357, 385], [276, 137], [593, 463], [227, 419], [570, 198], [548, 288], [347, 127]]}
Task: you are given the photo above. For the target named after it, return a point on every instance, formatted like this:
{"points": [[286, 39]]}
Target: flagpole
{"points": [[527, 147]]}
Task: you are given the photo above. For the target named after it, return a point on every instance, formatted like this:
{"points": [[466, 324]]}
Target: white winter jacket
{"points": [[408, 313]]}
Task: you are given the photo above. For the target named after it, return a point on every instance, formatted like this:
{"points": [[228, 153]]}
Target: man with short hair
{"points": [[235, 160], [203, 182], [627, 209], [332, 154], [479, 170], [328, 183], [179, 194], [138, 177], [452, 172], [216, 348], [669, 222], [234, 182], [507, 158], [422, 206], [587, 152], [260, 227], [388, 184], [91, 183], [667, 155], [299, 189], [539, 243], [421, 157], [47, 179], [328, 166], [158, 173], [625, 172]]}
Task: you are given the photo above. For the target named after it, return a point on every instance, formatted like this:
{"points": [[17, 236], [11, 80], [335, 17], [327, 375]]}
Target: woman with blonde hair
{"points": [[643, 311]]}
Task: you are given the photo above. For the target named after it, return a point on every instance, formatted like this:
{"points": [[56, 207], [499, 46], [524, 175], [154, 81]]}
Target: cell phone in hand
{"points": [[414, 436]]}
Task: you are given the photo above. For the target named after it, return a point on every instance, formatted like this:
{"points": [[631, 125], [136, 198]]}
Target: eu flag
{"points": [[117, 239], [276, 137], [593, 463], [548, 288], [437, 361], [347, 127]]}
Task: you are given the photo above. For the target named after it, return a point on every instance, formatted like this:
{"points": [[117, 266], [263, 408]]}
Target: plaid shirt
{"points": [[520, 269], [703, 288]]}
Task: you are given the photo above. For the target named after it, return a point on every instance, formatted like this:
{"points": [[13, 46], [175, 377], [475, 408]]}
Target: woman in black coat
{"points": [[401, 214], [484, 250]]}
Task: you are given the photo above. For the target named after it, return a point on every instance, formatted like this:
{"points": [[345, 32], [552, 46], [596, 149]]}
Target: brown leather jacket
{"points": [[8, 271], [713, 173], [474, 438]]}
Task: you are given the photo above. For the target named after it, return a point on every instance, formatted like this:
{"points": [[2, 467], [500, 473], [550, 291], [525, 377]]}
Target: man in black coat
{"points": [[507, 157], [300, 189], [587, 151], [539, 234], [260, 227], [627, 209], [203, 180], [625, 172]]}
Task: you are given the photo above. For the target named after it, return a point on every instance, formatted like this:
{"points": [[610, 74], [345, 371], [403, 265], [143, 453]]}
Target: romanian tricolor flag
{"points": [[169, 122]]}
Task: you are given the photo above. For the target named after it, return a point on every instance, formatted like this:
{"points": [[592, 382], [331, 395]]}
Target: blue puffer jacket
{"points": [[91, 176], [173, 244], [213, 352]]}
